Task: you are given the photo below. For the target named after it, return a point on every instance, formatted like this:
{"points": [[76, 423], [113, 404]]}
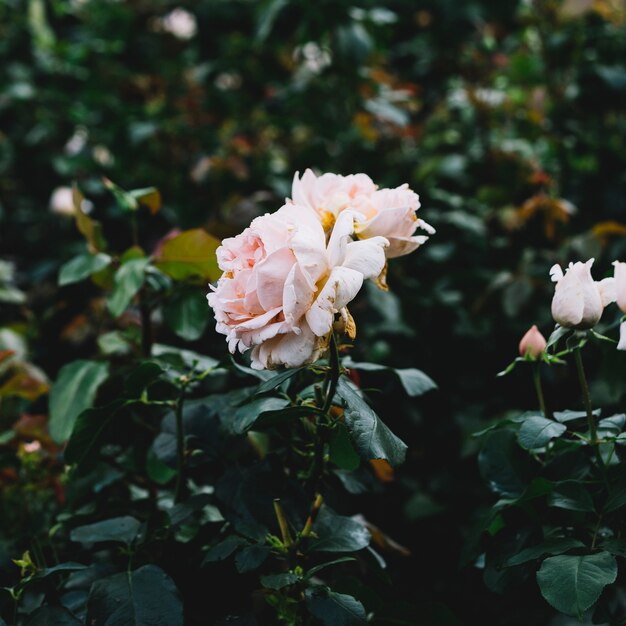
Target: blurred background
{"points": [[507, 118]]}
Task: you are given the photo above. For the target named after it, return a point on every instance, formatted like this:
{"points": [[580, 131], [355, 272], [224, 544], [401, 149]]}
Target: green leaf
{"points": [[342, 453], [537, 431], [251, 558], [140, 378], [60, 568], [573, 584], [127, 282], [74, 391], [278, 581], [87, 433], [145, 597], [503, 464], [82, 266], [187, 314], [371, 438], [415, 382], [125, 200], [192, 253], [557, 545], [121, 529], [321, 566], [224, 549], [337, 533], [246, 415], [571, 495], [569, 416], [557, 334], [52, 616], [276, 380], [334, 609]]}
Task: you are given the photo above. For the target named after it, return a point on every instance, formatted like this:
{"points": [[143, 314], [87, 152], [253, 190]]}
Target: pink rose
{"points": [[283, 284], [389, 213]]}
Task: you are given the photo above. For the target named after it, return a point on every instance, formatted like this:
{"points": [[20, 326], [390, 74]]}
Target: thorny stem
{"points": [[591, 422], [539, 388]]}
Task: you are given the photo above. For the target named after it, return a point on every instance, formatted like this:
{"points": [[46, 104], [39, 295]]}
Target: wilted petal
{"points": [[366, 256], [341, 287]]}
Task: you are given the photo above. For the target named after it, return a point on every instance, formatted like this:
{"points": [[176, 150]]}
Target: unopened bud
{"points": [[533, 344]]}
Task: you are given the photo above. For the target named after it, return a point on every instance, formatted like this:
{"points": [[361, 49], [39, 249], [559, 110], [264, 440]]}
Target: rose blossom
{"points": [[578, 300], [389, 213], [533, 343], [620, 296], [283, 284]]}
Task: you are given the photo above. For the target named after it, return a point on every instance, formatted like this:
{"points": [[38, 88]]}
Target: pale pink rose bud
{"points": [[578, 300], [283, 284], [389, 213], [622, 337], [533, 343], [620, 284]]}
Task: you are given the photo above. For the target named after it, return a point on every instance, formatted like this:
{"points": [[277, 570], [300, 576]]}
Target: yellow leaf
{"points": [[90, 229], [192, 253]]}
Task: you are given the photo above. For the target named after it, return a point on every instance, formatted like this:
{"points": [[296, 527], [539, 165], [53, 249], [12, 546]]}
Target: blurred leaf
{"points": [[150, 197], [192, 253], [128, 281], [278, 581], [224, 549], [52, 616], [123, 529], [573, 584], [82, 266], [187, 314], [74, 391], [571, 495], [502, 464], [251, 558], [90, 229]]}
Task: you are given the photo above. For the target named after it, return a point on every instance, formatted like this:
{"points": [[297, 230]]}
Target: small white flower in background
{"points": [[62, 203], [77, 141], [533, 343], [620, 296], [102, 156], [179, 23], [578, 300]]}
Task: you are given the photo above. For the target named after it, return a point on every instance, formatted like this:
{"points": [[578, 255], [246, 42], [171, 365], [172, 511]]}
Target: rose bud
{"points": [[533, 344]]}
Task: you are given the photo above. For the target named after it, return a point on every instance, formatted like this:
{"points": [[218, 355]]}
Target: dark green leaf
{"points": [[573, 584], [337, 533], [88, 432], [187, 314], [557, 545], [224, 549], [371, 438], [537, 431], [342, 453], [128, 281], [615, 546], [140, 378], [60, 568], [278, 581], [251, 558], [503, 464], [145, 597], [246, 415], [415, 382], [122, 529], [52, 616], [277, 379], [334, 609], [82, 266], [571, 495], [321, 566], [73, 392]]}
